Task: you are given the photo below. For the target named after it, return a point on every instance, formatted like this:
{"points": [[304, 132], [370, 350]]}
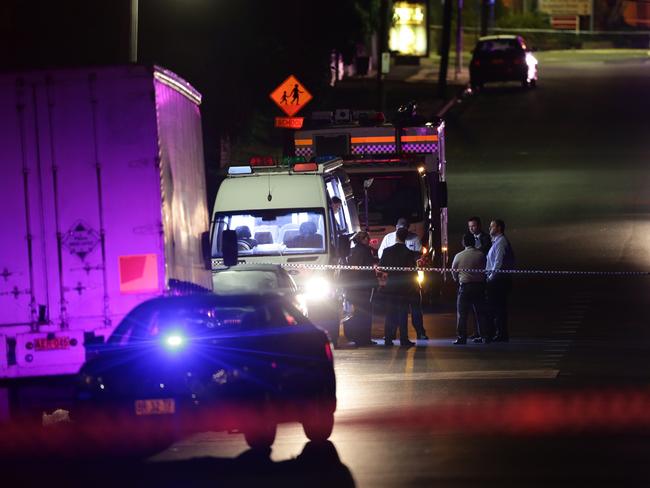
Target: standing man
{"points": [[336, 209], [360, 286], [500, 257], [415, 300], [412, 240], [399, 286], [471, 290], [482, 239], [483, 243]]}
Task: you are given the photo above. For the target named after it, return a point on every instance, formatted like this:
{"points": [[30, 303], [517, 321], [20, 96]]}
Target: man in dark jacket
{"points": [[360, 284], [482, 240], [399, 287]]}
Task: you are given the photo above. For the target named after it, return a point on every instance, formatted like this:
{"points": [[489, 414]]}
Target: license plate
{"points": [[54, 344], [155, 406]]}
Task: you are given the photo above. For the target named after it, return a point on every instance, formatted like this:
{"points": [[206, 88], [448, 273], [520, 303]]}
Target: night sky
{"points": [[235, 53]]}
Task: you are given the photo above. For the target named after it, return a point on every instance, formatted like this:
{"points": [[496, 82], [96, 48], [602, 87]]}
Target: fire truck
{"points": [[396, 170]]}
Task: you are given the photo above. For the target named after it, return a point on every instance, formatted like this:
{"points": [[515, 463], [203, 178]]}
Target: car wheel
{"points": [[318, 423], [260, 435]]}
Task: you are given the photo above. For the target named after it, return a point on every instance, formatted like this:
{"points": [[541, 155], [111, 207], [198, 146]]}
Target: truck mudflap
{"points": [[44, 354]]}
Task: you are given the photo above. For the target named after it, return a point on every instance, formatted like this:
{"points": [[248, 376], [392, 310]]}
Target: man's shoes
{"points": [[407, 344], [474, 337], [483, 340], [423, 337], [460, 340], [499, 339], [388, 343]]}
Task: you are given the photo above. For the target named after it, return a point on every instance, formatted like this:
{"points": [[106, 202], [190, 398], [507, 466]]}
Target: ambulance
{"points": [[285, 215]]}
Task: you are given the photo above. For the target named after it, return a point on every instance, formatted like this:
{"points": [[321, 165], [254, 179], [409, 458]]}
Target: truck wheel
{"points": [[318, 423], [260, 435]]}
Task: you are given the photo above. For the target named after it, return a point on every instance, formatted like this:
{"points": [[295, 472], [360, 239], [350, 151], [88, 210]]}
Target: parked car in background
{"points": [[502, 58], [258, 278], [177, 365]]}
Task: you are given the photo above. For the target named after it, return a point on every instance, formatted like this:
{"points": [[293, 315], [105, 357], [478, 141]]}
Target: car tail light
{"points": [[328, 351]]}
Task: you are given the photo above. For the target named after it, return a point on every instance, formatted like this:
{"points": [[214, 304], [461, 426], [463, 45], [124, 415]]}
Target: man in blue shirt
{"points": [[499, 257]]}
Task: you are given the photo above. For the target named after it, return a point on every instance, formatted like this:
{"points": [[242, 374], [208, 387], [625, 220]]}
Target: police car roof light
{"points": [[240, 170]]}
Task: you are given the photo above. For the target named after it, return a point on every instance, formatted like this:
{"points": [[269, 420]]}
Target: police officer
{"points": [[360, 284]]}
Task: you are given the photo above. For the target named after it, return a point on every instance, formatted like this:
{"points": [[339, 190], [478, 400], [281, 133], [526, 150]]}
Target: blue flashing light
{"points": [[174, 341], [240, 170]]}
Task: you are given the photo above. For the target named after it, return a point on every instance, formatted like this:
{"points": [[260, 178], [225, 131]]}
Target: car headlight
{"points": [[301, 303], [317, 288]]}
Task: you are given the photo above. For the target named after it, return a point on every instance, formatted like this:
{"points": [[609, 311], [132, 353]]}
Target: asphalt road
{"points": [[566, 402]]}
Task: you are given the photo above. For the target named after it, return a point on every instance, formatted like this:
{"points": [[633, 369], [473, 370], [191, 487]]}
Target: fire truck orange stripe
{"points": [[377, 140], [362, 140], [432, 138]]}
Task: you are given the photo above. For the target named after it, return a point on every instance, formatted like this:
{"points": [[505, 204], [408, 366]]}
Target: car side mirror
{"points": [[229, 246], [206, 250], [343, 247]]}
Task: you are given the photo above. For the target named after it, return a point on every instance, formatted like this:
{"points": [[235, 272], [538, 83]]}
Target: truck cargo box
{"points": [[102, 204]]}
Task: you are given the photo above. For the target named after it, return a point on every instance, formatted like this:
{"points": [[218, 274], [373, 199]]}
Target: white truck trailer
{"points": [[102, 204]]}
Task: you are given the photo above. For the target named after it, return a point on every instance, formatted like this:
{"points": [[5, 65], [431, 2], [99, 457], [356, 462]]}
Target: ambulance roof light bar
{"points": [[322, 164], [239, 170], [262, 161]]}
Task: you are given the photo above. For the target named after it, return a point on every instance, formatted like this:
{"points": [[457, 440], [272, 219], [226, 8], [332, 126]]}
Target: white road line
{"points": [[466, 375]]}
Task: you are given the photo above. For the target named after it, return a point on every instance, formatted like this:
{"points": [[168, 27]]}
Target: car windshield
{"points": [[203, 319], [496, 46], [237, 281], [272, 232], [391, 196]]}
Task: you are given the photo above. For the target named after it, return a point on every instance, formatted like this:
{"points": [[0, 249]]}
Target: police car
{"points": [[177, 365]]}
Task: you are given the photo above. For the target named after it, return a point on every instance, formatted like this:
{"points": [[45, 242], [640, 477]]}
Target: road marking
{"points": [[510, 374]]}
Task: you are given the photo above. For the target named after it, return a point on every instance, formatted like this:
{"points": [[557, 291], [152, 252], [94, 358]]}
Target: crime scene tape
{"points": [[346, 267]]}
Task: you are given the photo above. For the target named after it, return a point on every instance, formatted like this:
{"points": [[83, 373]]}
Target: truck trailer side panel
{"points": [[102, 198]]}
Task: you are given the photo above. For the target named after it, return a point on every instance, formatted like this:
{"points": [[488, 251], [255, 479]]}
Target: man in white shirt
{"points": [[471, 290], [412, 241], [500, 257]]}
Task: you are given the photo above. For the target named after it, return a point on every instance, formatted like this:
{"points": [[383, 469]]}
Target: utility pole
{"points": [[381, 48], [459, 39], [446, 41], [485, 15], [133, 44]]}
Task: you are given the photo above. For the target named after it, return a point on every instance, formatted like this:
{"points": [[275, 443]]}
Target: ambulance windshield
{"points": [[391, 196], [272, 232]]}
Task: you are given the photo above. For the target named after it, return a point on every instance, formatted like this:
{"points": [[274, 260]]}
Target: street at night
{"points": [[564, 402]]}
